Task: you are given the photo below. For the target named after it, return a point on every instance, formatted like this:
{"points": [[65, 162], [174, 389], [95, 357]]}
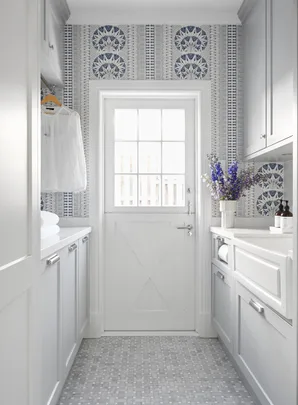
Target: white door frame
{"points": [[200, 91]]}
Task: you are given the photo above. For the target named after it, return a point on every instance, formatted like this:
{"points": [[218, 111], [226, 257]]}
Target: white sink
{"points": [[275, 244]]}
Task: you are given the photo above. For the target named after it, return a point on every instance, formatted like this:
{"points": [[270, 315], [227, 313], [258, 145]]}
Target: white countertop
{"points": [[65, 237], [242, 232]]}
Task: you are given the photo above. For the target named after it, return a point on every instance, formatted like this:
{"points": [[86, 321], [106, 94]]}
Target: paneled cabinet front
{"points": [[69, 264], [281, 71], [268, 32], [221, 305], [83, 281], [255, 84], [51, 44], [64, 314], [263, 350], [50, 290]]}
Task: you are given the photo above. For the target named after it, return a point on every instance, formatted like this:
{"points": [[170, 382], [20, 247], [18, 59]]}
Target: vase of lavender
{"points": [[229, 186]]}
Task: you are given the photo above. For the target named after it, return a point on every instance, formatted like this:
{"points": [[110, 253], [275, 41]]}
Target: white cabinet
{"points": [[64, 314], [19, 214], [51, 331], [69, 265], [255, 85], [251, 298], [268, 32], [262, 350], [221, 305], [53, 18], [83, 282], [281, 71]]}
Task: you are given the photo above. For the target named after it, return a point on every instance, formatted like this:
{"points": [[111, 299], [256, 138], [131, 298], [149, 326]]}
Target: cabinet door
{"points": [[51, 45], [255, 86], [19, 203], [281, 72], [263, 350], [221, 306], [50, 328], [83, 281], [69, 262]]}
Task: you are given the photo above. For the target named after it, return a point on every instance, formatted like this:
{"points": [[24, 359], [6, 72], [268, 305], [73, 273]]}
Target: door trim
{"points": [[200, 91]]}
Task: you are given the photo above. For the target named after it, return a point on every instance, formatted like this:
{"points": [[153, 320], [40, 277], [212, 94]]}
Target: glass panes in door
{"points": [[149, 158]]}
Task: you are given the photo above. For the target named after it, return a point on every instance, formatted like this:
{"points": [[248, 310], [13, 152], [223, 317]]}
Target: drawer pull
{"points": [[220, 275], [220, 239], [72, 247], [256, 306], [52, 260], [84, 240]]}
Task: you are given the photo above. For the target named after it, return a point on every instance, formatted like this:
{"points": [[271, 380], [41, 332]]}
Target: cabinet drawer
{"points": [[267, 275], [221, 305], [263, 349]]}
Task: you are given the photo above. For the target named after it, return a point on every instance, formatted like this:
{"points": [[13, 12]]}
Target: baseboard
{"points": [[150, 333], [94, 328], [205, 327]]}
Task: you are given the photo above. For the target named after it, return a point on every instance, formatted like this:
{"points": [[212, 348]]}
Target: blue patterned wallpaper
{"points": [[164, 52]]}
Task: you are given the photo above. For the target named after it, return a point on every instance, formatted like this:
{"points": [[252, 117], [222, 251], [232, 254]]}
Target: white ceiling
{"points": [[154, 11]]}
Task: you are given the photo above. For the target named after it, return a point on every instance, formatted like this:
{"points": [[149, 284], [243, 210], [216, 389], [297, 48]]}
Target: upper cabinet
{"points": [[53, 18], [255, 86], [268, 33], [281, 70]]}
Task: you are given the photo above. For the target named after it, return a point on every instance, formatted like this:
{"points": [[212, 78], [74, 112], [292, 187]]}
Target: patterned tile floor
{"points": [[153, 371]]}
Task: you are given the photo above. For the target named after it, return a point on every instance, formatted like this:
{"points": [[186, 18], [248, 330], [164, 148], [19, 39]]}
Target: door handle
{"points": [[52, 260], [256, 306], [72, 247], [187, 227], [220, 275]]}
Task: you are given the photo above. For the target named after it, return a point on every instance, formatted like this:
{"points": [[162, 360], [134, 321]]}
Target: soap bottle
{"points": [[278, 215], [286, 218]]}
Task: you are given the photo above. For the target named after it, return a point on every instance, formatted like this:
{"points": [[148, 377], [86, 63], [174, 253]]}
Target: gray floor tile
{"points": [[153, 371]]}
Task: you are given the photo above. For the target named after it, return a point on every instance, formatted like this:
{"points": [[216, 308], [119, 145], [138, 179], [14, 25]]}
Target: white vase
{"points": [[228, 210]]}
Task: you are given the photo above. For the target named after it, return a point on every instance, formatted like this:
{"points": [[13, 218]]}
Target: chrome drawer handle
{"points": [[84, 240], [72, 247], [220, 239], [256, 306], [52, 260], [220, 275]]}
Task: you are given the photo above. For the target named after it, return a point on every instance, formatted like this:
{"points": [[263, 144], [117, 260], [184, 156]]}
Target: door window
{"points": [[146, 155]]}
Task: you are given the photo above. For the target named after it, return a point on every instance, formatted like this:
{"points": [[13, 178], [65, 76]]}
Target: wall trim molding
{"points": [[200, 91], [151, 15]]}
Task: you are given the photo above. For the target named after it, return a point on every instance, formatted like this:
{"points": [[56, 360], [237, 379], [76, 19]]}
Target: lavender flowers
{"points": [[232, 184]]}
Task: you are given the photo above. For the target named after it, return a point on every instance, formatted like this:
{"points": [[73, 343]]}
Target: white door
{"points": [[19, 203], [149, 194]]}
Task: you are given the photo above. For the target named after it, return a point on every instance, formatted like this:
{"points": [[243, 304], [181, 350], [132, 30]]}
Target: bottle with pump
{"points": [[278, 215], [286, 218]]}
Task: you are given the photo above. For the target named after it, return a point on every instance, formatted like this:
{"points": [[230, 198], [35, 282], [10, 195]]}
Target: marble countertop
{"points": [[242, 232], [65, 237]]}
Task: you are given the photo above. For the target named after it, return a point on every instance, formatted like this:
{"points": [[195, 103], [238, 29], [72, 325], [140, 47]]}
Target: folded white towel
{"points": [[46, 231], [48, 218]]}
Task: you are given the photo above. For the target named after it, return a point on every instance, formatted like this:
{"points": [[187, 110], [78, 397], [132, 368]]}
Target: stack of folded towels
{"points": [[48, 224]]}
